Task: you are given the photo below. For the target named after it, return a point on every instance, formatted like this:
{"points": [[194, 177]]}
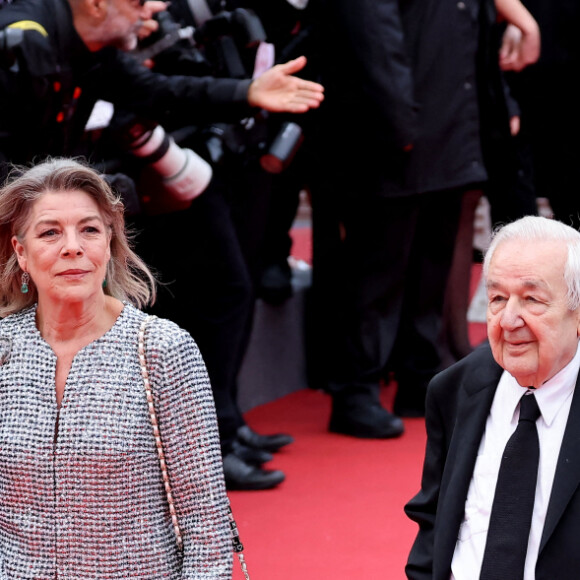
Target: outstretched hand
{"points": [[276, 90]]}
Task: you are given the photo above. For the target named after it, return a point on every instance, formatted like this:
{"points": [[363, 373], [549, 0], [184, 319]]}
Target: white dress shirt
{"points": [[554, 398]]}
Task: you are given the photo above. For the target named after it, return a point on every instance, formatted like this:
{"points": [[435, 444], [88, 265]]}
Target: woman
{"points": [[81, 492]]}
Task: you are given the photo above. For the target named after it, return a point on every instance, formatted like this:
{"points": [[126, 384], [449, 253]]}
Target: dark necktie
{"points": [[513, 503]]}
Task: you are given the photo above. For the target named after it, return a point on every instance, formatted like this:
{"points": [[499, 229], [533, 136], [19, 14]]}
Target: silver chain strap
{"points": [[238, 546]]}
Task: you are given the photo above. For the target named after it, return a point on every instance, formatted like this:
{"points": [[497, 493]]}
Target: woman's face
{"points": [[65, 246]]}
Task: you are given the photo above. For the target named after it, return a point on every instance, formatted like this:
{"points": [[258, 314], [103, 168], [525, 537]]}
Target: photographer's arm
{"points": [[126, 83]]}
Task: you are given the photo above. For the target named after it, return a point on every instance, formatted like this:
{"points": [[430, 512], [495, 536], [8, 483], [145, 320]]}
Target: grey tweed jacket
{"points": [[81, 495]]}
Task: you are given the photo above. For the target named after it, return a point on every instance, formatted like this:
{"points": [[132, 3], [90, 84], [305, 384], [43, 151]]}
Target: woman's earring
{"points": [[105, 283], [25, 280]]}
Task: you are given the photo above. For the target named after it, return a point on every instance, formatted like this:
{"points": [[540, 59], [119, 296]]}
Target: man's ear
{"points": [[96, 9]]}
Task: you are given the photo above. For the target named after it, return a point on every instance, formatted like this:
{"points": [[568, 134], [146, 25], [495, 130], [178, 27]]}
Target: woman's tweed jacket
{"points": [[81, 495]]}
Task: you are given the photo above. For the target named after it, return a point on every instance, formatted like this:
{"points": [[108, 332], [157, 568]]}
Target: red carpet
{"points": [[302, 243], [339, 514]]}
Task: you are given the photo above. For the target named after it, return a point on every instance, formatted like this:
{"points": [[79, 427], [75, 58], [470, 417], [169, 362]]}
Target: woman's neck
{"points": [[79, 323]]}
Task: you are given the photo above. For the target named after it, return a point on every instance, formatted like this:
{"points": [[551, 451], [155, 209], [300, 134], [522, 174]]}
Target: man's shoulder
{"points": [[30, 11], [478, 363], [39, 22], [481, 355], [476, 372], [36, 24]]}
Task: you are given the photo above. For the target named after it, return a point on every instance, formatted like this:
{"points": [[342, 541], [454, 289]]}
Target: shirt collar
{"points": [[551, 395]]}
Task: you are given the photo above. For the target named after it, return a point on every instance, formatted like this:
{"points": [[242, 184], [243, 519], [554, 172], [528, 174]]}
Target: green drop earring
{"points": [[25, 280]]}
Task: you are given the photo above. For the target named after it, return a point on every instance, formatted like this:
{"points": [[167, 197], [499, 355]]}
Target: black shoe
{"points": [[270, 443], [366, 421], [250, 455], [240, 475]]}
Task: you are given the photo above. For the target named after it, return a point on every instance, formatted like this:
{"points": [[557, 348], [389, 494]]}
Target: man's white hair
{"points": [[533, 229]]}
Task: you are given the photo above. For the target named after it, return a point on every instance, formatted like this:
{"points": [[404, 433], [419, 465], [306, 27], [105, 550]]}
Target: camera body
{"points": [[218, 46], [242, 24]]}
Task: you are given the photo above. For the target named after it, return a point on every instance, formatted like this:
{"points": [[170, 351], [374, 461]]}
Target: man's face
{"points": [[532, 333], [124, 19]]}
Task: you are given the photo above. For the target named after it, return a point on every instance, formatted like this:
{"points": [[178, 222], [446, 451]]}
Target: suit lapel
{"points": [[567, 477], [476, 397]]}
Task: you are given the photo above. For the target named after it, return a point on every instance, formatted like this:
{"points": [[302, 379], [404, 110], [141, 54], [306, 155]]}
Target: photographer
{"points": [[68, 59], [222, 232]]}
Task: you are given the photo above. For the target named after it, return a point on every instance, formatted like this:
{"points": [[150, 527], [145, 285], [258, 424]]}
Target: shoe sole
{"points": [[258, 486], [362, 433]]}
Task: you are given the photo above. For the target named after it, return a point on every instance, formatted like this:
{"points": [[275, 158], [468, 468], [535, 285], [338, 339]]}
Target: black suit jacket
{"points": [[458, 403]]}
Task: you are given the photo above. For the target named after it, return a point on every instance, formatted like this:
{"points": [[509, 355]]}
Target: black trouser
{"points": [[207, 291], [550, 122], [379, 276]]}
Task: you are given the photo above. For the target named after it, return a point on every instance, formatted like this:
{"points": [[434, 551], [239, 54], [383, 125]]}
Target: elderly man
{"points": [[476, 518]]}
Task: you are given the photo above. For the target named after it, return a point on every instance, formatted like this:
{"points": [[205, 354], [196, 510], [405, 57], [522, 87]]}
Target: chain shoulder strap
{"points": [[238, 546], [157, 434]]}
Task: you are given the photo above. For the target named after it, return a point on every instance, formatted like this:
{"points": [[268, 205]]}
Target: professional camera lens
{"points": [[283, 148], [185, 174]]}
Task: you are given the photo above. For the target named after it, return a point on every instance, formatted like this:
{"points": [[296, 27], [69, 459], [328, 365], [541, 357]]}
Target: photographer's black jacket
{"points": [[47, 98]]}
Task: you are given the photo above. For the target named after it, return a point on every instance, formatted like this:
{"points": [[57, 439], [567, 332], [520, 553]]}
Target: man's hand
{"points": [[519, 49], [148, 24], [278, 91]]}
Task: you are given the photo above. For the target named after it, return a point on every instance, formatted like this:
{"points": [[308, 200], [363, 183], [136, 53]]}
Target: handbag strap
{"points": [[238, 546], [157, 434]]}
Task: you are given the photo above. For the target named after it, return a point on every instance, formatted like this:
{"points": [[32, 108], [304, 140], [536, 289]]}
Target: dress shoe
{"points": [[366, 421], [250, 455], [240, 475], [270, 443]]}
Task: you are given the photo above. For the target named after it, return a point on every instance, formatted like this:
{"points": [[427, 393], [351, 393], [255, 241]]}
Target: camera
{"points": [[241, 24], [166, 37], [216, 47], [221, 44], [185, 175]]}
